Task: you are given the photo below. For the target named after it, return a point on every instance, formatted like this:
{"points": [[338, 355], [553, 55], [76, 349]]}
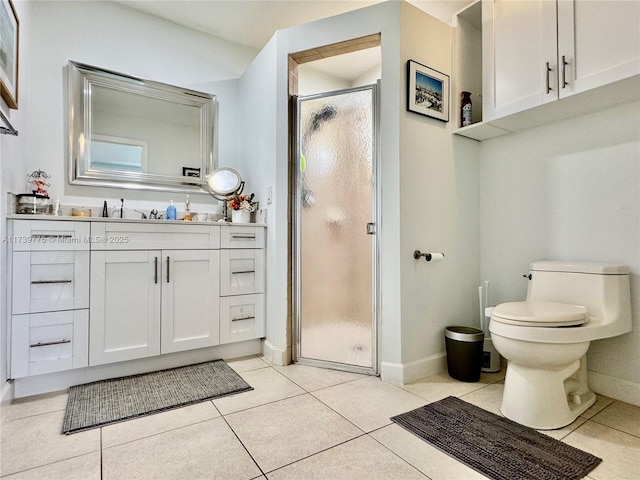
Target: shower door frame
{"points": [[375, 248]]}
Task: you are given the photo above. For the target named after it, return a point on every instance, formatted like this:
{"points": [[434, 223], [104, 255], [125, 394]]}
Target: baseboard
{"points": [[403, 373], [613, 387], [279, 356], [6, 393]]}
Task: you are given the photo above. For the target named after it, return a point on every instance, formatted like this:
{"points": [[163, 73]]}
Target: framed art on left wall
{"points": [[9, 40]]}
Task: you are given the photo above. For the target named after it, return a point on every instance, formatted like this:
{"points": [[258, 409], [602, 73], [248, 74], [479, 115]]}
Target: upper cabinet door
{"points": [[520, 44], [599, 42]]}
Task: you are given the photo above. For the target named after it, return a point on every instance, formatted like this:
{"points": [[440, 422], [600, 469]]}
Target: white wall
{"points": [[13, 167], [428, 186], [568, 191], [112, 36], [439, 211]]}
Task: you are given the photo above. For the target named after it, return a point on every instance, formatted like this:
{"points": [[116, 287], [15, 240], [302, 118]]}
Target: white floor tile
{"points": [[84, 467], [268, 386], [289, 430], [436, 387], [362, 458], [425, 457], [369, 403], [312, 378], [620, 416], [36, 440], [619, 451], [204, 450], [153, 424], [35, 405]]}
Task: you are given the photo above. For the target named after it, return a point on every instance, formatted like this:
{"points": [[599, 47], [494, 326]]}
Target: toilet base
{"points": [[546, 399]]}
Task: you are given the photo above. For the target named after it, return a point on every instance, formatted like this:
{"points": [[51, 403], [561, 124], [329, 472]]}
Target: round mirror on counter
{"points": [[224, 183]]}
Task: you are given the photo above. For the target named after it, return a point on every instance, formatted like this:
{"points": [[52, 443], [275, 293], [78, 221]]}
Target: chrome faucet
{"points": [[153, 214], [144, 215]]}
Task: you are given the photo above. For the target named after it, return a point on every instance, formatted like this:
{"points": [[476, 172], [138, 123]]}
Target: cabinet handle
{"points": [[564, 72], [43, 282], [51, 235], [547, 72], [245, 235], [46, 344], [250, 317], [243, 271], [167, 269], [155, 273]]}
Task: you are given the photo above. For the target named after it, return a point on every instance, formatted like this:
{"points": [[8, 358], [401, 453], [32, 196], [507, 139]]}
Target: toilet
{"points": [[545, 338]]}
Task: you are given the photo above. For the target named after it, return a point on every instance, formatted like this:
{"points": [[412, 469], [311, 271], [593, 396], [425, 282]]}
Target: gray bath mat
{"points": [[108, 401], [493, 445]]}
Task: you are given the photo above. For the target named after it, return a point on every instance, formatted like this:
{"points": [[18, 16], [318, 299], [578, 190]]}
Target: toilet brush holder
{"points": [[490, 357]]}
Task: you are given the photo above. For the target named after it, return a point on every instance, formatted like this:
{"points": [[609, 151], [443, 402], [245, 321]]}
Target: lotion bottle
{"points": [[171, 211]]}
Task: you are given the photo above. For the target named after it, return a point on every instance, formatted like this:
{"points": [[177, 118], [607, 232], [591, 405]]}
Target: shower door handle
{"points": [[371, 228]]}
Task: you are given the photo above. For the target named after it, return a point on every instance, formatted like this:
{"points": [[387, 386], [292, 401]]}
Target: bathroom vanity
{"points": [[96, 291]]}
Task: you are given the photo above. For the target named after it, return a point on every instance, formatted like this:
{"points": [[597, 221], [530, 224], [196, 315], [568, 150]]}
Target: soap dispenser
{"points": [[171, 211]]}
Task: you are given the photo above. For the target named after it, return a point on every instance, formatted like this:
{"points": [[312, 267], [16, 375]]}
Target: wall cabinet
{"points": [[540, 51], [538, 54], [86, 293]]}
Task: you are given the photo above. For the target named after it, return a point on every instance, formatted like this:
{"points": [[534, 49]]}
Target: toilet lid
{"points": [[540, 314]]}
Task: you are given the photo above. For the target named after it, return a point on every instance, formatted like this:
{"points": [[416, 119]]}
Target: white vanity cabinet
{"points": [[49, 295], [539, 51], [146, 300], [242, 273]]}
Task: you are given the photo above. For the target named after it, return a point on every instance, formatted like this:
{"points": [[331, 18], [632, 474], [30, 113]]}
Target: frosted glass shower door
{"points": [[335, 229]]}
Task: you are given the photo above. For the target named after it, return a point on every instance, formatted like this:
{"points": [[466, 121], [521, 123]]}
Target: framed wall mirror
{"points": [[127, 132]]}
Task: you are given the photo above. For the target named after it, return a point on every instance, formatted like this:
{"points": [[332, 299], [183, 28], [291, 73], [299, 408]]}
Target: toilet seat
{"points": [[540, 314]]}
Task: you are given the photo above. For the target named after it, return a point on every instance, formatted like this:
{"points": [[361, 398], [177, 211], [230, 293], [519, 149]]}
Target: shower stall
{"points": [[335, 221]]}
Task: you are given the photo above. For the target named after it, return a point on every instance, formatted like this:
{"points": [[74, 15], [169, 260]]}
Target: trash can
{"points": [[464, 352]]}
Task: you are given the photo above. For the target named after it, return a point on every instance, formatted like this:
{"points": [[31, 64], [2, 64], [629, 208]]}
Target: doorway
{"points": [[334, 225]]}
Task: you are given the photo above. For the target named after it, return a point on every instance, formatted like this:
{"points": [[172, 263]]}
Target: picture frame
{"points": [[9, 49], [190, 172], [427, 91]]}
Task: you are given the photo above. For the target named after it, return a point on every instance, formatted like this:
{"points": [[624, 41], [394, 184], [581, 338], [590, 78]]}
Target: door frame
{"points": [[295, 135]]}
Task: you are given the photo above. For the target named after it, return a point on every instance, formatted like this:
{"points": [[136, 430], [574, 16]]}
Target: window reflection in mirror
{"points": [[142, 134]]}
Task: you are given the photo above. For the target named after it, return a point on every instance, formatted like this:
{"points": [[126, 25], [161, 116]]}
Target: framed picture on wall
{"points": [[427, 91], [9, 38]]}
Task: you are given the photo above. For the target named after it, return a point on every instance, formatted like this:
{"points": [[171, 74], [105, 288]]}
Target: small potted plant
{"points": [[241, 207]]}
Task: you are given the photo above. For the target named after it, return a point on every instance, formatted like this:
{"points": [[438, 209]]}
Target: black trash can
{"points": [[464, 352]]}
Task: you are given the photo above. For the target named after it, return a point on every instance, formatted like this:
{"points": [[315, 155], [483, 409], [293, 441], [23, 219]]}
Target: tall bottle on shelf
{"points": [[187, 210], [465, 107]]}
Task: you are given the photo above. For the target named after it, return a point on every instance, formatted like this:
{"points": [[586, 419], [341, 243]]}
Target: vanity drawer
{"points": [[241, 318], [241, 272], [241, 237], [167, 235], [39, 235], [49, 342], [48, 281]]}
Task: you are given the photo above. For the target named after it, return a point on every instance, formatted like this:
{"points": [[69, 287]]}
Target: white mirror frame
{"points": [[81, 78]]}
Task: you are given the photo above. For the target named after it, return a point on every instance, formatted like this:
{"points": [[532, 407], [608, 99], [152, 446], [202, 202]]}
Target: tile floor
{"points": [[298, 423]]}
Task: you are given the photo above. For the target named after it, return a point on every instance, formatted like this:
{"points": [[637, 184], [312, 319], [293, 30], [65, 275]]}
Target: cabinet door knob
{"points": [[167, 269]]}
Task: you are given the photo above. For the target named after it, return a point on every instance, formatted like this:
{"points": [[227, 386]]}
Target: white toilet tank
{"points": [[603, 288]]}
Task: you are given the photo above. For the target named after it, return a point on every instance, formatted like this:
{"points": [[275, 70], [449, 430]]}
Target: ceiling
{"points": [[253, 22]]}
